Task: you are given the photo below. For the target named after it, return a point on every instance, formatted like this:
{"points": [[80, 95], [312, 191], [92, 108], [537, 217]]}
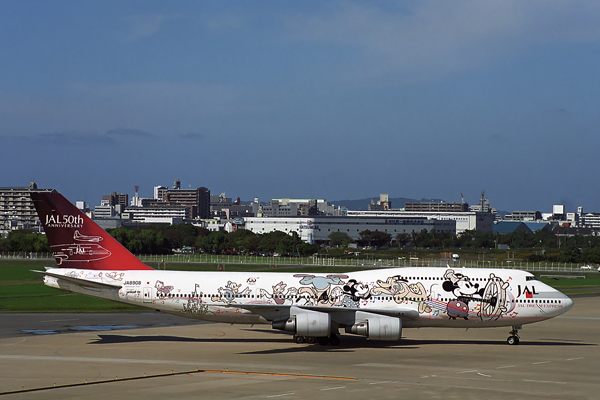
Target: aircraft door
{"points": [[257, 292], [147, 295]]}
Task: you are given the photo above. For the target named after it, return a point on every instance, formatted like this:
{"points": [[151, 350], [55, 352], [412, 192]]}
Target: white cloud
{"points": [[142, 26], [433, 38], [229, 20]]}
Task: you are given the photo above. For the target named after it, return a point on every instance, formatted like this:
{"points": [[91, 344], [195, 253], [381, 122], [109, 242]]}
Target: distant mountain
{"points": [[363, 204]]}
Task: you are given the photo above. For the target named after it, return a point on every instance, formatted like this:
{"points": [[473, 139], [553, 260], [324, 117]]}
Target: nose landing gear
{"points": [[513, 338]]}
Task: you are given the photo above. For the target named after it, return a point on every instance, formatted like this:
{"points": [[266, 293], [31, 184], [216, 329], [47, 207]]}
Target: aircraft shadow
{"points": [[115, 339], [348, 343], [404, 344]]}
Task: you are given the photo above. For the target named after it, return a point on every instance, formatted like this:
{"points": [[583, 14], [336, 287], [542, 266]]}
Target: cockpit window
{"points": [[531, 278]]}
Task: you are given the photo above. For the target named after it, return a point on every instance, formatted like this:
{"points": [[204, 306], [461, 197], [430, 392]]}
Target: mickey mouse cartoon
{"points": [[355, 291], [461, 286]]}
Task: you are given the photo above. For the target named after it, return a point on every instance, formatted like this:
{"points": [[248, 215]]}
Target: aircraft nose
{"points": [[567, 303]]}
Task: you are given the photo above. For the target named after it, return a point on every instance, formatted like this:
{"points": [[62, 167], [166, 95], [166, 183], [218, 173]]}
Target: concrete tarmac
{"points": [[156, 356]]}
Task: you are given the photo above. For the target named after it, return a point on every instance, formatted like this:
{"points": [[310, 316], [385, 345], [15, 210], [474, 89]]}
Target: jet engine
{"points": [[376, 327], [306, 323]]}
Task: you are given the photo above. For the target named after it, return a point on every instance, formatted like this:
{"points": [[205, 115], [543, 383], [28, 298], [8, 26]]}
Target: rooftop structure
{"points": [[114, 199], [523, 216], [383, 204], [436, 207], [294, 207]]}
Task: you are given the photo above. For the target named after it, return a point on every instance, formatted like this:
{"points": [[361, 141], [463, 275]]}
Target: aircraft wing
{"points": [[81, 282], [273, 312]]}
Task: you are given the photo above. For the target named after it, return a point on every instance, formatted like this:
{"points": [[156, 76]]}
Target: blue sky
{"points": [[311, 99]]}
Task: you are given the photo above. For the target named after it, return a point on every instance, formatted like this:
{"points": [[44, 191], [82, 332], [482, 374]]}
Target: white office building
{"points": [[318, 228], [172, 215], [471, 220]]}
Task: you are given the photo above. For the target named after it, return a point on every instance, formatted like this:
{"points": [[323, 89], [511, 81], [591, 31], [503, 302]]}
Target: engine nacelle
{"points": [[306, 323], [376, 327]]}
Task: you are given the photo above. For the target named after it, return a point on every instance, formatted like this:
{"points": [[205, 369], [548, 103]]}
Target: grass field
{"points": [[23, 291]]}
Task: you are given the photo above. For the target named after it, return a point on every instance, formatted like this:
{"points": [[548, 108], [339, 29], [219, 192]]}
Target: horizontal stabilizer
{"points": [[80, 282]]}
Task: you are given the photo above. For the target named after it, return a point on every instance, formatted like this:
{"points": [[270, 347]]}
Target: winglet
{"points": [[77, 241]]}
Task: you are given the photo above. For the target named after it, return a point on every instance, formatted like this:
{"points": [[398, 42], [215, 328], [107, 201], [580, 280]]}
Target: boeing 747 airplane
{"points": [[377, 304]]}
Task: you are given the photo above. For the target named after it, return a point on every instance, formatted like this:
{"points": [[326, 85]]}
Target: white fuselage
{"points": [[421, 297]]}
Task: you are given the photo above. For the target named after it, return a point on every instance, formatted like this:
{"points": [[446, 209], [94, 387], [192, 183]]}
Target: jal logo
{"points": [[526, 291], [64, 221]]}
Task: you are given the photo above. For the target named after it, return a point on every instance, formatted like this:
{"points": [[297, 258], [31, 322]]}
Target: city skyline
{"points": [[364, 202], [334, 100]]}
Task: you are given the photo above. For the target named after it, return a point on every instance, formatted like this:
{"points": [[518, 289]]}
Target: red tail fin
{"points": [[78, 242]]}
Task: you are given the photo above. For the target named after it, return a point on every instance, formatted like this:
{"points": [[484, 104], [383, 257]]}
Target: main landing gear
{"points": [[513, 338], [333, 340]]}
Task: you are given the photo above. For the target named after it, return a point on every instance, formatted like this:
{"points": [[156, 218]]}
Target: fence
{"points": [[20, 255], [356, 262], [328, 261]]}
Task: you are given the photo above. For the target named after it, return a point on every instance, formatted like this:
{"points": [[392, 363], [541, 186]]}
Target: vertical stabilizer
{"points": [[76, 241]]}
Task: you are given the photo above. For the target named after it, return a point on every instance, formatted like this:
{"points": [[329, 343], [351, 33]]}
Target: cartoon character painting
{"points": [[280, 295], [162, 290], [355, 291], [229, 293], [194, 305], [490, 299], [484, 298], [319, 288], [401, 290], [114, 275]]}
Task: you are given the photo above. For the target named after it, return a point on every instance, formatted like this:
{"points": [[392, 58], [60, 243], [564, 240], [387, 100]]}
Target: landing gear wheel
{"points": [[512, 340], [311, 339], [334, 340], [298, 339], [324, 341]]}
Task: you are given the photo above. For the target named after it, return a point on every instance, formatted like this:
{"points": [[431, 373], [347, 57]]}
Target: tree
{"points": [[337, 239], [251, 243], [183, 235], [144, 241], [286, 245], [25, 241], [374, 238], [572, 254], [214, 243], [419, 239], [591, 255], [307, 249], [237, 239], [269, 241], [122, 235], [403, 239]]}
